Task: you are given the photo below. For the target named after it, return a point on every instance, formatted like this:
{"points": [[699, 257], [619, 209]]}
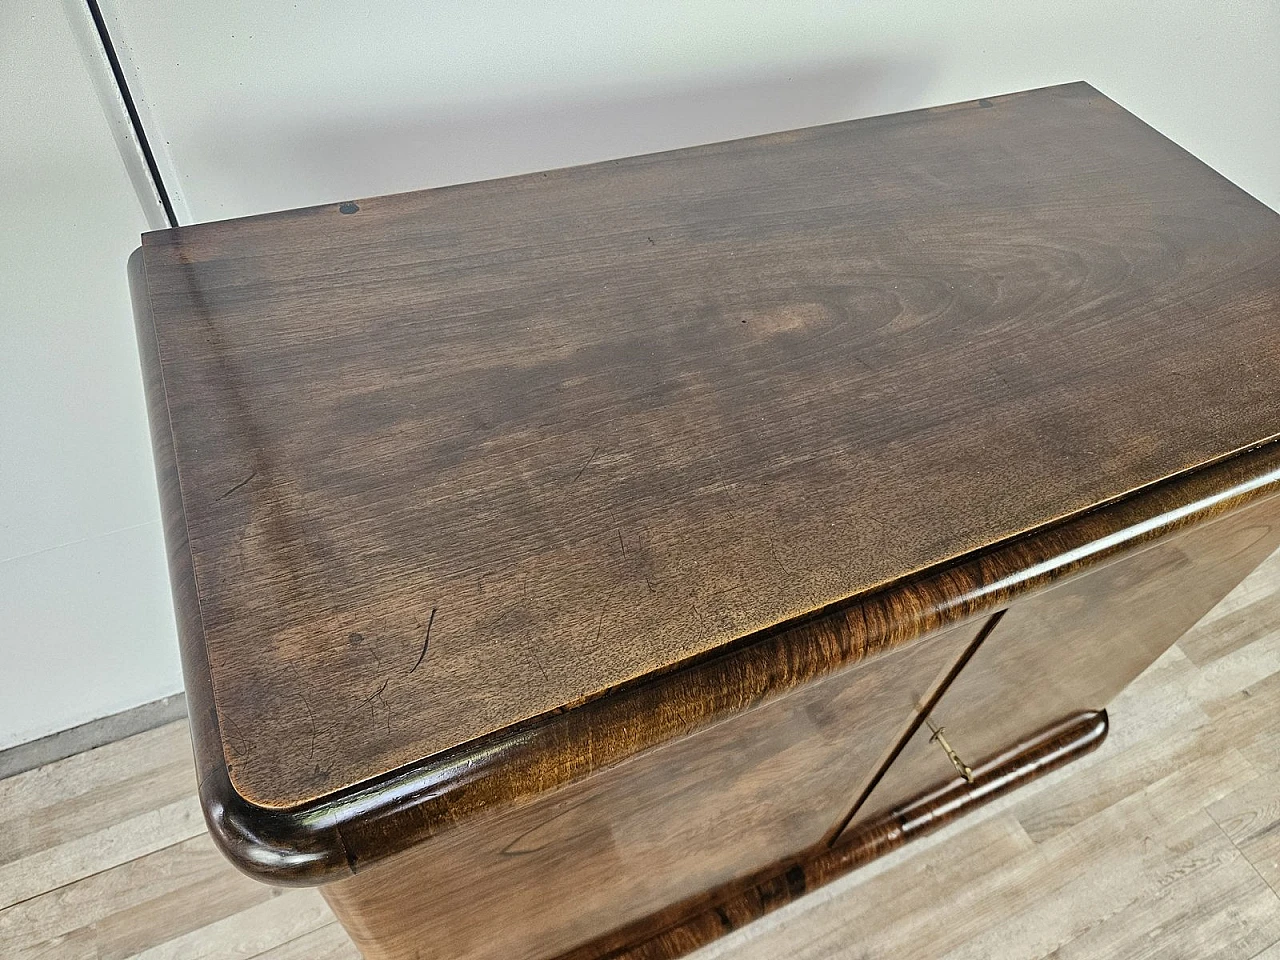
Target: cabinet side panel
{"points": [[1074, 647], [537, 880]]}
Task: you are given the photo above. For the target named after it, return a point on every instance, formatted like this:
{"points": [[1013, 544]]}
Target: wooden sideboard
{"points": [[585, 563]]}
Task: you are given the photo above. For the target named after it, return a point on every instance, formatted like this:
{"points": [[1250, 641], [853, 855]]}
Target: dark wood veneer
{"points": [[1077, 645], [339, 835], [700, 811], [698, 921], [510, 523], [594, 423]]}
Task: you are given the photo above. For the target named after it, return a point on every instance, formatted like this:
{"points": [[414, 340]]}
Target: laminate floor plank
{"points": [[329, 942], [1271, 953], [101, 850], [1250, 816], [1118, 876], [27, 794], [1225, 913], [23, 834], [1223, 679], [53, 916], [1252, 718], [249, 933], [127, 933]]}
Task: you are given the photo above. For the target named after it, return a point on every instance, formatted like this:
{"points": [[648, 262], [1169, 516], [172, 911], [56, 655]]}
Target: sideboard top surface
{"points": [[455, 459]]}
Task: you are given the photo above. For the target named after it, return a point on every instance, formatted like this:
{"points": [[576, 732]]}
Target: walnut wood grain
{"points": [[531, 882], [591, 425], [700, 920], [1075, 647], [689, 818], [345, 833], [1069, 364]]}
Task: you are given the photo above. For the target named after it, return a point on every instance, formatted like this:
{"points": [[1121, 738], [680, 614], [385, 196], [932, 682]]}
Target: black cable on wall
{"points": [[108, 47]]}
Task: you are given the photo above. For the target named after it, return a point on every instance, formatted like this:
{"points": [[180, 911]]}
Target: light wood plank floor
{"points": [[1165, 843]]}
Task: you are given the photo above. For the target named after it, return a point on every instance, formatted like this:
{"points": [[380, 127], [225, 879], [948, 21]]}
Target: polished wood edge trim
{"points": [[264, 843], [698, 921]]}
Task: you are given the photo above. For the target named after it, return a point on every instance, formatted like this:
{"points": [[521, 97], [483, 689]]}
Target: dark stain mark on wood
{"points": [[425, 640], [237, 486], [367, 644], [796, 885]]}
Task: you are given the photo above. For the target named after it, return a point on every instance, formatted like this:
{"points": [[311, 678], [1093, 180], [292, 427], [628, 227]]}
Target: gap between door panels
{"points": [[916, 723]]}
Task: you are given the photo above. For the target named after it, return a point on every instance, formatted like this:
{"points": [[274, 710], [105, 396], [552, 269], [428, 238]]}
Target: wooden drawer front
{"points": [[535, 881], [1074, 647]]}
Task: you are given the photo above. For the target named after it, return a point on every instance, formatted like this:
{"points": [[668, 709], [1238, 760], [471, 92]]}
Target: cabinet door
{"points": [[1073, 648], [537, 880]]}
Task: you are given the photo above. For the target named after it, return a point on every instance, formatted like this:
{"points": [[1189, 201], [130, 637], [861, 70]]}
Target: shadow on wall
{"points": [[303, 161]]}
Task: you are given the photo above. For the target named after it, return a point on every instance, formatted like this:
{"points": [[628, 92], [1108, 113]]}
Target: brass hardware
{"points": [[961, 767]]}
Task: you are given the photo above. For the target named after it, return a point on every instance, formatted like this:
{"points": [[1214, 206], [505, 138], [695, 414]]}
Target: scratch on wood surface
{"points": [[425, 640], [311, 717], [232, 735], [376, 694], [590, 460], [237, 486], [604, 608]]}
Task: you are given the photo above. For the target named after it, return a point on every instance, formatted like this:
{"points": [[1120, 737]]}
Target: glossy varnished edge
{"points": [[279, 847], [345, 832], [695, 922]]}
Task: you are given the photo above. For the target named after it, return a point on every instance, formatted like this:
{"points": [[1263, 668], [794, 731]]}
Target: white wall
{"points": [[84, 598], [262, 106], [265, 106]]}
